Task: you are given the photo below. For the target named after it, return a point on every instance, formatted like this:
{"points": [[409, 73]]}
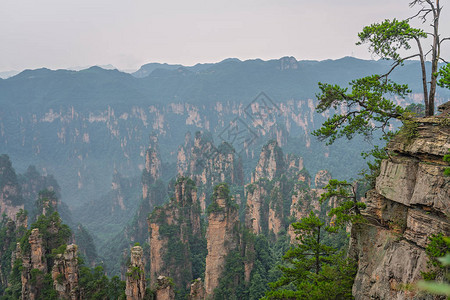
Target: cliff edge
{"points": [[410, 202]]}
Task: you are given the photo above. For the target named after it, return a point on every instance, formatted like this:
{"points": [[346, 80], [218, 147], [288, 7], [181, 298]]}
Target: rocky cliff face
{"points": [[271, 162], [164, 289], [65, 274], [11, 201], [47, 203], [410, 202], [11, 232], [176, 236], [264, 210], [197, 290], [32, 182], [222, 236], [207, 164], [34, 264], [280, 188], [153, 193], [152, 170], [135, 282]]}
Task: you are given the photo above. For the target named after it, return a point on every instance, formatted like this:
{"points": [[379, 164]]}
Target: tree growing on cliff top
{"points": [[366, 107]]}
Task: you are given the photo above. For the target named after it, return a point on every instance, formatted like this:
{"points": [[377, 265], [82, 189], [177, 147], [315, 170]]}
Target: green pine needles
{"points": [[312, 269]]}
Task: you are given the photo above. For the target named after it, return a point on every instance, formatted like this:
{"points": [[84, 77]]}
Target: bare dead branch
{"points": [[444, 39], [396, 64]]}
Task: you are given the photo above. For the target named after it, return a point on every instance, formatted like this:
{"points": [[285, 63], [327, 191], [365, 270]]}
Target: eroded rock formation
{"points": [[11, 201], [34, 265], [280, 188], [197, 290], [208, 165], [222, 236], [152, 171], [164, 289], [65, 274], [271, 162], [409, 203], [135, 281], [174, 230]]}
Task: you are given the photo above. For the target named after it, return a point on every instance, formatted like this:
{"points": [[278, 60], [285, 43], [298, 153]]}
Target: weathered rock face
{"points": [[271, 162], [280, 188], [32, 182], [65, 274], [13, 231], [154, 192], [264, 210], [222, 237], [135, 282], [321, 179], [207, 164], [152, 170], [409, 203], [47, 202], [158, 246], [174, 230], [294, 164], [164, 289], [197, 290], [256, 207], [34, 265], [304, 200], [11, 200]]}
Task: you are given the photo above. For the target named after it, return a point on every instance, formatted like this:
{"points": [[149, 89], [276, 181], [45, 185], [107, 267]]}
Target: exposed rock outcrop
{"points": [[321, 179], [222, 236], [135, 282], [271, 162], [174, 230], [34, 265], [208, 165], [65, 274], [12, 231], [11, 201], [197, 290], [280, 188], [264, 210], [152, 171], [47, 203], [32, 182], [256, 206], [164, 289], [154, 192], [409, 203]]}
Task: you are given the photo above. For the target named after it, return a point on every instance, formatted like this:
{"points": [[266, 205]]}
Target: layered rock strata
{"points": [[410, 203]]}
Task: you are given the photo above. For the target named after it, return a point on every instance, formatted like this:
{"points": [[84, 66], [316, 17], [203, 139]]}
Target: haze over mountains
{"points": [[98, 120], [186, 182]]}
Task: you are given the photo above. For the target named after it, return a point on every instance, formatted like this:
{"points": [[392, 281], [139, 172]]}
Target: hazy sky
{"points": [[128, 34]]}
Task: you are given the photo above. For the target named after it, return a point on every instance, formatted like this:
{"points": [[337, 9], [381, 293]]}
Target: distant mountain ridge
{"points": [[229, 80], [83, 125]]}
